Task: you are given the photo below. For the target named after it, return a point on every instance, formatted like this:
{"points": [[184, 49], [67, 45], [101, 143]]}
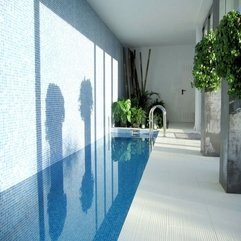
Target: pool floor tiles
{"points": [[179, 197]]}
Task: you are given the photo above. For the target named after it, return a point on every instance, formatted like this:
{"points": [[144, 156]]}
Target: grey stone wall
{"points": [[230, 156], [211, 113]]}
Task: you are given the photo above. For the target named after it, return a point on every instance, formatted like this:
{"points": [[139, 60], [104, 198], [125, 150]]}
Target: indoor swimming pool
{"points": [[84, 197]]}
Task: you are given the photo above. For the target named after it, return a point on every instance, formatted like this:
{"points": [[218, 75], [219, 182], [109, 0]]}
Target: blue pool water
{"points": [[84, 197]]}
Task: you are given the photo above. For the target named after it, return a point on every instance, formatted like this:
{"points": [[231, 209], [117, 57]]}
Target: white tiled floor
{"points": [[179, 197]]}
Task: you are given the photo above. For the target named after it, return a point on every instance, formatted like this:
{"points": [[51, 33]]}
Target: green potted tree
{"points": [[205, 64], [206, 79], [228, 53]]}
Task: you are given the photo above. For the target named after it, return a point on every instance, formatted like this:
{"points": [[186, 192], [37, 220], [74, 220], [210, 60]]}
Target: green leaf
{"points": [[204, 68], [228, 51]]}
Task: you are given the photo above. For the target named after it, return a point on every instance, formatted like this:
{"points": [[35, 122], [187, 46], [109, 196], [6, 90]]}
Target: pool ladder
{"points": [[151, 116]]}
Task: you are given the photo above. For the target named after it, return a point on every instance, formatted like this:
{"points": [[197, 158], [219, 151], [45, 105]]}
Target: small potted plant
{"points": [[121, 111], [137, 116]]}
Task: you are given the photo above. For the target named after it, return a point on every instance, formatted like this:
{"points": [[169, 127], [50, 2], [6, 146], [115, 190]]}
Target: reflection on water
{"points": [[86, 106], [57, 200], [87, 184], [125, 150], [93, 209]]}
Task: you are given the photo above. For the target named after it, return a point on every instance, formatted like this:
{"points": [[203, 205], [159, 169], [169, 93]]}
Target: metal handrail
{"points": [[151, 116]]}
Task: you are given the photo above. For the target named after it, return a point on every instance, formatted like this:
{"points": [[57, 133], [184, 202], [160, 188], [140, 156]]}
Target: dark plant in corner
{"points": [[136, 90], [144, 99], [121, 111], [205, 63], [228, 51]]}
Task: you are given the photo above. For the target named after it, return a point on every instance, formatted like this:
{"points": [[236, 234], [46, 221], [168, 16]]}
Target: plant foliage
{"points": [[137, 116], [121, 111], [144, 100], [228, 51], [205, 62]]}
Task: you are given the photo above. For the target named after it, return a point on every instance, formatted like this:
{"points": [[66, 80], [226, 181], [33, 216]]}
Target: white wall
{"points": [[228, 5], [58, 63], [170, 71]]}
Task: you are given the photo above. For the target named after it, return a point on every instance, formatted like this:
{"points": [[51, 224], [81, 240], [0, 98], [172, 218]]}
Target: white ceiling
{"points": [[139, 23]]}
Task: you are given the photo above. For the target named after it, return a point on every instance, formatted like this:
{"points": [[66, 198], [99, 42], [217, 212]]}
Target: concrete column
{"points": [[211, 109], [197, 124], [230, 153], [202, 122], [224, 136], [211, 113], [230, 148], [216, 12]]}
